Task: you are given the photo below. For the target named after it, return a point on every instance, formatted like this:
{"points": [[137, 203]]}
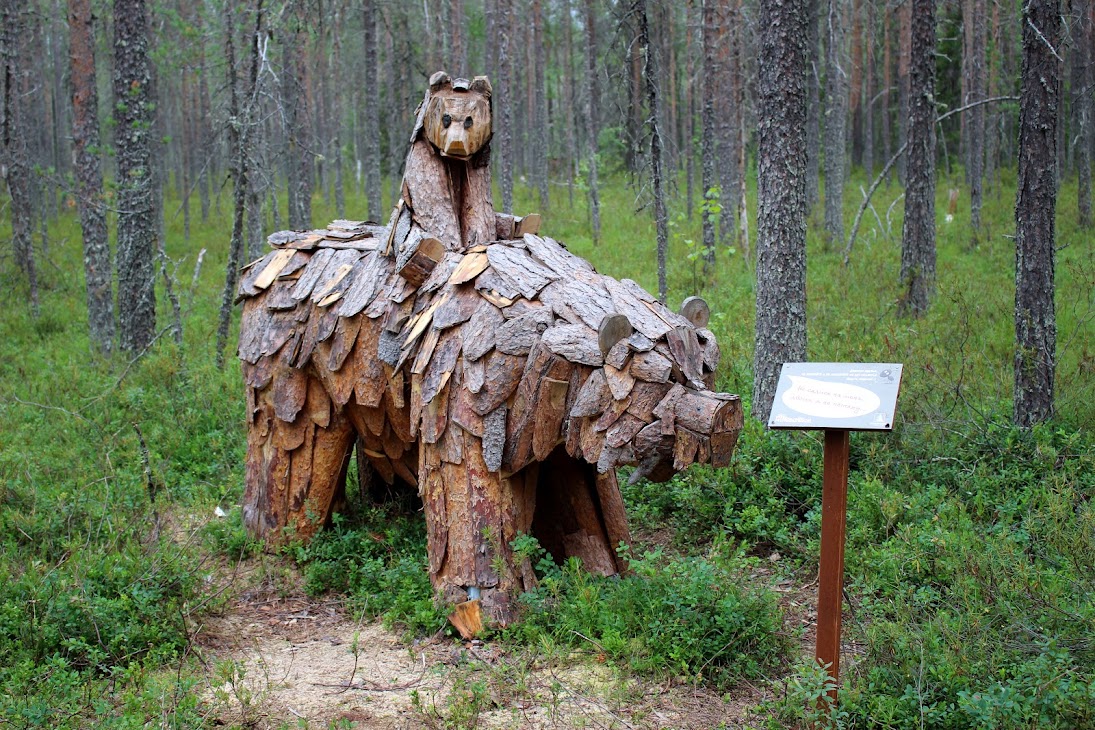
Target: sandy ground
{"points": [[290, 661]]}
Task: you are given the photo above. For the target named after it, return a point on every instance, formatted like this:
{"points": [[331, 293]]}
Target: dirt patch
{"points": [[290, 661]]}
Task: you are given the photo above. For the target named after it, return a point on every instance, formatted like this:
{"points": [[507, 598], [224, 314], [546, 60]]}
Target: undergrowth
{"points": [[969, 570]]}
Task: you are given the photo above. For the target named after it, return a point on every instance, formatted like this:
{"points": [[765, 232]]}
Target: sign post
{"points": [[838, 398]]}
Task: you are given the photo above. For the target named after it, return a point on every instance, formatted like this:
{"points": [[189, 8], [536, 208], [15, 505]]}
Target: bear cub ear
{"points": [[439, 81], [481, 84]]}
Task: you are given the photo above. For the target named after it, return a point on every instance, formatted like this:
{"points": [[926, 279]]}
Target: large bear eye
{"points": [[446, 120], [467, 123]]}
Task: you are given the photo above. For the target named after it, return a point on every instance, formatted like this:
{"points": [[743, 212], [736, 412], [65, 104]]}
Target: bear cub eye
{"points": [[446, 120], [467, 123]]}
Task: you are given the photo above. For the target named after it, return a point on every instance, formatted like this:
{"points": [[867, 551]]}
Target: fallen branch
{"points": [[893, 160]]}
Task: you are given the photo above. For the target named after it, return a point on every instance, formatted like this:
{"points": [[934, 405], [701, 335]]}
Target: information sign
{"points": [[852, 396], [838, 398]]}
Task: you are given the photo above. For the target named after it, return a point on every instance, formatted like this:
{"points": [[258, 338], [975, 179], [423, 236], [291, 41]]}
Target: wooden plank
{"points": [[624, 430], [614, 515], [576, 342], [277, 264], [554, 256], [312, 274], [651, 367], [460, 307], [642, 318], [620, 382], [518, 335], [479, 332], [593, 398], [494, 438], [290, 392], [342, 343], [470, 266], [514, 265], [502, 376]]}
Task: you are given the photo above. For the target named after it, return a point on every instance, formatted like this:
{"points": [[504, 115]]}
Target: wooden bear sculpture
{"points": [[487, 367]]}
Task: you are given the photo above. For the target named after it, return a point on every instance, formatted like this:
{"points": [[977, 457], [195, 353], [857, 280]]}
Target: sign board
{"points": [[837, 395]]}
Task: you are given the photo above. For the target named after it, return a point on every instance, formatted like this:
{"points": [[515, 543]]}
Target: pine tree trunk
{"points": [[134, 124], [371, 116], [904, 55], [1035, 206], [869, 90], [813, 105], [782, 77], [89, 177], [709, 141], [661, 218], [1082, 80], [591, 118], [502, 101], [836, 116], [14, 153], [918, 232], [299, 158], [975, 122], [540, 129]]}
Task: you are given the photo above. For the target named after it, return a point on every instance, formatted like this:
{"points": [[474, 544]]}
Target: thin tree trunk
{"points": [[904, 53], [540, 129], [1035, 319], [1082, 80], [134, 124], [975, 122], [836, 115], [813, 105], [709, 141], [591, 118], [502, 101], [869, 89], [14, 153], [661, 219], [782, 78], [239, 131], [918, 232], [371, 116], [89, 177]]}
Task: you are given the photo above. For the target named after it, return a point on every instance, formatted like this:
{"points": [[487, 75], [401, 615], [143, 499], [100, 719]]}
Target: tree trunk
{"points": [[371, 117], [782, 77], [502, 101], [918, 232], [709, 142], [869, 90], [1082, 79], [904, 55], [14, 155], [299, 158], [1035, 320], [540, 128], [591, 119], [813, 105], [975, 28], [661, 219], [134, 123], [89, 177], [836, 116]]}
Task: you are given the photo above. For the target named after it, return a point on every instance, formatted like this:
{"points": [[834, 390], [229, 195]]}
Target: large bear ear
{"points": [[439, 81], [481, 85]]}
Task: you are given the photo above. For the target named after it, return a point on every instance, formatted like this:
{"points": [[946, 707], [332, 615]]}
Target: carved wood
{"points": [[475, 362]]}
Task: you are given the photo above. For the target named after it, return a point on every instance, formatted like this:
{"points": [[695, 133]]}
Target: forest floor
{"points": [[277, 657]]}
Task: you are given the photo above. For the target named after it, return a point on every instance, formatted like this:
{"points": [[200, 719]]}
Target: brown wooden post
{"points": [[834, 500]]}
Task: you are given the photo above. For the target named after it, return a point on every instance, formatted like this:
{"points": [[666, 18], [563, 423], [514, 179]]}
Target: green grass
{"points": [[969, 571]]}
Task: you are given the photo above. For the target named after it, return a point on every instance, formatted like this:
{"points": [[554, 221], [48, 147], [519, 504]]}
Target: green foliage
{"points": [[380, 563], [969, 570], [691, 617]]}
